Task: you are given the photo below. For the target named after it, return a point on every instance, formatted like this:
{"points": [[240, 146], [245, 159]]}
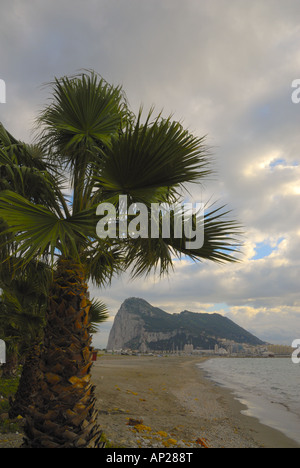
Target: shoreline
{"points": [[169, 402], [264, 435], [178, 406]]}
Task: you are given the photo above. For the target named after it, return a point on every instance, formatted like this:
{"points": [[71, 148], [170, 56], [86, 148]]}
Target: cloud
{"points": [[225, 70], [269, 322]]}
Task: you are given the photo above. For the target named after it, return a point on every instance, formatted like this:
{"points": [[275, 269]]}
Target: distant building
{"points": [[188, 348]]}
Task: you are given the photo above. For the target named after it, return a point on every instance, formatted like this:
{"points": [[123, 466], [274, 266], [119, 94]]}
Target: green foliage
{"points": [[88, 130], [98, 314], [88, 138], [8, 388], [148, 161]]}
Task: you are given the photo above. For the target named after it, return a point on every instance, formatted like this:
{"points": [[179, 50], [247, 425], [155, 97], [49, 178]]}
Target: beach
{"points": [[173, 405], [167, 402]]}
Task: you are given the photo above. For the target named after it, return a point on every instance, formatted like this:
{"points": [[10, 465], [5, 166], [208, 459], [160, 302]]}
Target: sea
{"points": [[268, 387]]}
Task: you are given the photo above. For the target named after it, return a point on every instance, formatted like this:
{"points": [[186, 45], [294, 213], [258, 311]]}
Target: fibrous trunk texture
{"points": [[29, 380], [63, 414]]}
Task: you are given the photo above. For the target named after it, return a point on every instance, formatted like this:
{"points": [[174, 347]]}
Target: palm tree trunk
{"points": [[10, 368], [64, 415], [28, 384]]}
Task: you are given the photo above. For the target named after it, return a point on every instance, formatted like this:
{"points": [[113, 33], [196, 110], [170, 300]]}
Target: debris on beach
{"points": [[202, 442], [147, 437], [134, 422]]}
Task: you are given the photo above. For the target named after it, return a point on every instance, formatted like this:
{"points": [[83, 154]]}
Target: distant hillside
{"points": [[140, 326]]}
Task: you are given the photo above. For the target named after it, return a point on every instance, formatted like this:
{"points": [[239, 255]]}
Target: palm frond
{"points": [[104, 260], [85, 111], [25, 170], [221, 244], [39, 231], [150, 160], [98, 314], [221, 238], [84, 114], [18, 152]]}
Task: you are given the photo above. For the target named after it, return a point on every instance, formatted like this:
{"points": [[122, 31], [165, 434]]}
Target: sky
{"points": [[225, 69]]}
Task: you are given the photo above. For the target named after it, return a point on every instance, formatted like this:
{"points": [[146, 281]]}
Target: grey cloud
{"points": [[223, 68]]}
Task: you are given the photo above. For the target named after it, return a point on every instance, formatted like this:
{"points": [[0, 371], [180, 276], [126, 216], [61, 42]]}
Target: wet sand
{"points": [[148, 401]]}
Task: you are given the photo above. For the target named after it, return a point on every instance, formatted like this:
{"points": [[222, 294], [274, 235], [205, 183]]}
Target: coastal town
{"points": [[226, 348]]}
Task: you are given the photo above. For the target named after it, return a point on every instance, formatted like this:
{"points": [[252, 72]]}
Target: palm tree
{"points": [[90, 137], [22, 304], [22, 312], [29, 338]]}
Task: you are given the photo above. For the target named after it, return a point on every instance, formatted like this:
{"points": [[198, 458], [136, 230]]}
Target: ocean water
{"points": [[270, 389]]}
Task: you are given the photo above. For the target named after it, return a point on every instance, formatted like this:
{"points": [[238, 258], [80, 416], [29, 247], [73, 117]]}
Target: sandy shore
{"points": [[163, 402], [175, 405]]}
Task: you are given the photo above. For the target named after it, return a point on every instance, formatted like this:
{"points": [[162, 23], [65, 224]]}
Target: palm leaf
{"points": [[84, 114], [24, 170], [13, 151], [98, 314], [150, 161], [221, 244], [85, 110], [103, 260], [38, 231]]}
